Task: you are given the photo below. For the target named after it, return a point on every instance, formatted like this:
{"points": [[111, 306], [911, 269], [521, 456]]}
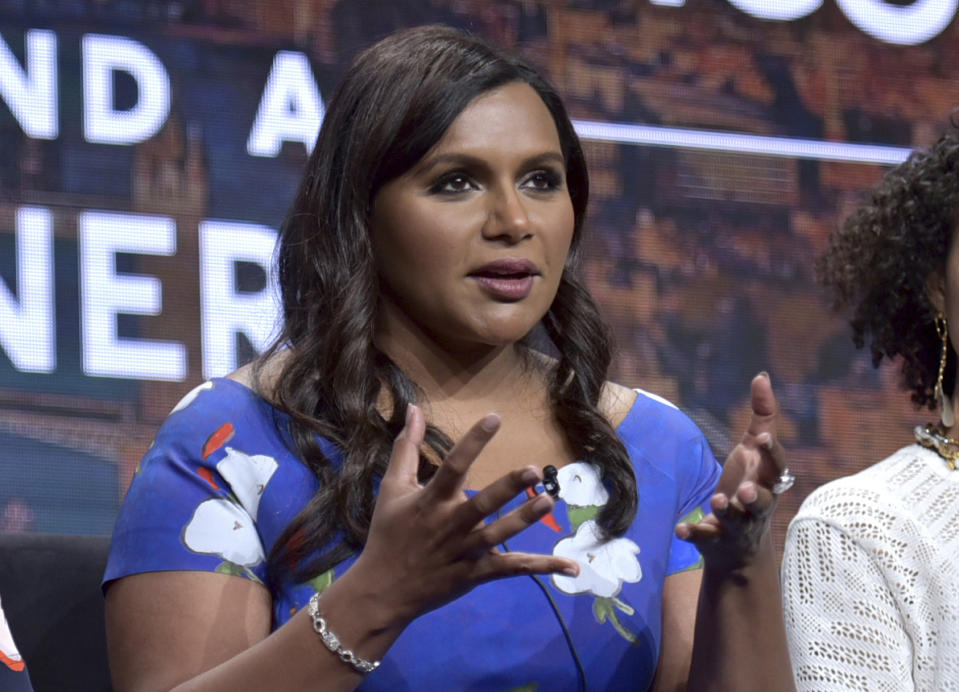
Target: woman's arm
{"points": [[209, 631], [680, 599], [427, 544], [740, 639]]}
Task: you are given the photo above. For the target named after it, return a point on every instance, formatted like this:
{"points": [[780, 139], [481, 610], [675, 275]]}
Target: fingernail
{"points": [[490, 423], [542, 504], [766, 375], [530, 477], [409, 413], [749, 493], [722, 502], [765, 440], [571, 570]]}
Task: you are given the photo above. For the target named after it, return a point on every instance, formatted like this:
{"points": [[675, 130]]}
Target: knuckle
{"points": [[488, 535], [518, 568], [483, 504]]}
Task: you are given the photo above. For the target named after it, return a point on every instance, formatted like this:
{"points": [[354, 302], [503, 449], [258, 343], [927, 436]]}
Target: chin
{"points": [[508, 337]]}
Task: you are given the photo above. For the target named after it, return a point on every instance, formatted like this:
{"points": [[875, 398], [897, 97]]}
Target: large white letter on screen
{"points": [[781, 10], [903, 24], [31, 94], [104, 294], [102, 123], [27, 326], [226, 311], [291, 108]]}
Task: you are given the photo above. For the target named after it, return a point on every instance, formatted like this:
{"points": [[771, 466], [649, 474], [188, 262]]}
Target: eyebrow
{"points": [[427, 164]]}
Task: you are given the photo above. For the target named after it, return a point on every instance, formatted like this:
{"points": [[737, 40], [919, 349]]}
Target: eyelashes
{"points": [[545, 180], [452, 183], [458, 182]]}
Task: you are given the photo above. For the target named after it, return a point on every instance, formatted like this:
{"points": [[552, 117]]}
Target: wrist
{"points": [[355, 609], [757, 562], [333, 643]]}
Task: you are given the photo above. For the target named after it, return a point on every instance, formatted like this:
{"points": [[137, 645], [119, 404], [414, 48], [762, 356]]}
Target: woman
{"points": [[432, 241], [872, 560]]}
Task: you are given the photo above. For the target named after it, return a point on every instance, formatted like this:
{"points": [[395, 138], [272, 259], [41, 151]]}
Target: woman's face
{"points": [[947, 300], [471, 242]]}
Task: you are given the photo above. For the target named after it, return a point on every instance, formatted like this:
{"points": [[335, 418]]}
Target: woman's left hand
{"points": [[731, 535]]}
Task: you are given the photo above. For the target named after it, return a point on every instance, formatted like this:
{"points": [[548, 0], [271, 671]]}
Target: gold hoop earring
{"points": [[946, 414]]}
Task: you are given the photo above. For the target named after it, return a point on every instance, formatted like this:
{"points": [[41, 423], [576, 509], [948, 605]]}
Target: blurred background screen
{"points": [[149, 150]]}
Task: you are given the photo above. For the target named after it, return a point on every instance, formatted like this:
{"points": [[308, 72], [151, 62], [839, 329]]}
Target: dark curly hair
{"points": [[393, 105], [880, 261]]}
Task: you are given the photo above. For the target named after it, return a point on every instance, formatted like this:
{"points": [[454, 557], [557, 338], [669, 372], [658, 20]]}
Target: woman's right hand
{"points": [[428, 545]]}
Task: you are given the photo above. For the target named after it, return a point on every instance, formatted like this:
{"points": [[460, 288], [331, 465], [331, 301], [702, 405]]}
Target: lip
{"points": [[508, 279]]}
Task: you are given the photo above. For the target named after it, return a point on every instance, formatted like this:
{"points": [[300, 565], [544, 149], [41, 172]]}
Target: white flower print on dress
{"points": [[580, 485], [226, 526], [221, 527], [603, 565], [247, 475], [190, 396]]}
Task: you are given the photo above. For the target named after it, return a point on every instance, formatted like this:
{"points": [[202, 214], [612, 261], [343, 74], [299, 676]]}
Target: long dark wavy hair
{"points": [[395, 102], [880, 261]]}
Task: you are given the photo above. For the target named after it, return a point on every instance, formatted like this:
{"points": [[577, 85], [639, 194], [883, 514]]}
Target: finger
{"points": [[491, 498], [756, 501], [451, 475], [486, 537], [765, 407], [770, 449], [405, 457], [497, 565], [727, 510], [751, 502], [706, 531], [719, 503]]}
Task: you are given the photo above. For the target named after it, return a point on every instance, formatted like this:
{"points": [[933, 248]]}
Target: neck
{"points": [[453, 373]]}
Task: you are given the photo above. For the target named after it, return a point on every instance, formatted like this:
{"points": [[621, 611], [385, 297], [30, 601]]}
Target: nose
{"points": [[507, 218]]}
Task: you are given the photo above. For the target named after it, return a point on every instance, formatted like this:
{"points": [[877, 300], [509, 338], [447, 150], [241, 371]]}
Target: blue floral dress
{"points": [[220, 484]]}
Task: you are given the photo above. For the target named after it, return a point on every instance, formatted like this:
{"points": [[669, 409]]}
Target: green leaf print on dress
{"points": [[322, 582], [603, 564], [694, 517]]}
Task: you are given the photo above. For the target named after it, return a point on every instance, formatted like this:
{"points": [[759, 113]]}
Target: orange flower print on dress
{"points": [[220, 437]]}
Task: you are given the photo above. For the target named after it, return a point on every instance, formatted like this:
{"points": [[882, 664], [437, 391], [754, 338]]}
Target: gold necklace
{"points": [[934, 437]]}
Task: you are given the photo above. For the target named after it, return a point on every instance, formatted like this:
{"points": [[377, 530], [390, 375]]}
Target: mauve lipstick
{"points": [[507, 279]]}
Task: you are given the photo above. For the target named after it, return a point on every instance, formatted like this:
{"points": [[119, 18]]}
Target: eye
{"points": [[544, 180], [452, 183]]}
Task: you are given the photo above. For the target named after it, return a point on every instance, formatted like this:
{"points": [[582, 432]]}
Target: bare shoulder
{"points": [[615, 402], [260, 377], [243, 375]]}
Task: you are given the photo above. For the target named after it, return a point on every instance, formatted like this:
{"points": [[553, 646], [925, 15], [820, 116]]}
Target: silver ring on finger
{"points": [[785, 481]]}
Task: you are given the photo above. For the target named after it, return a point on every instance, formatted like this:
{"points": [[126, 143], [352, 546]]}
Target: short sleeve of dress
{"points": [[194, 498], [673, 460], [702, 475]]}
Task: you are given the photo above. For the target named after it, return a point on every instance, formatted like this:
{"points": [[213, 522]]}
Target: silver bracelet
{"points": [[332, 642]]}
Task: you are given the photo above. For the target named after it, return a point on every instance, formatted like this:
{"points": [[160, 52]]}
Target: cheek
{"points": [[563, 237], [413, 248]]}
